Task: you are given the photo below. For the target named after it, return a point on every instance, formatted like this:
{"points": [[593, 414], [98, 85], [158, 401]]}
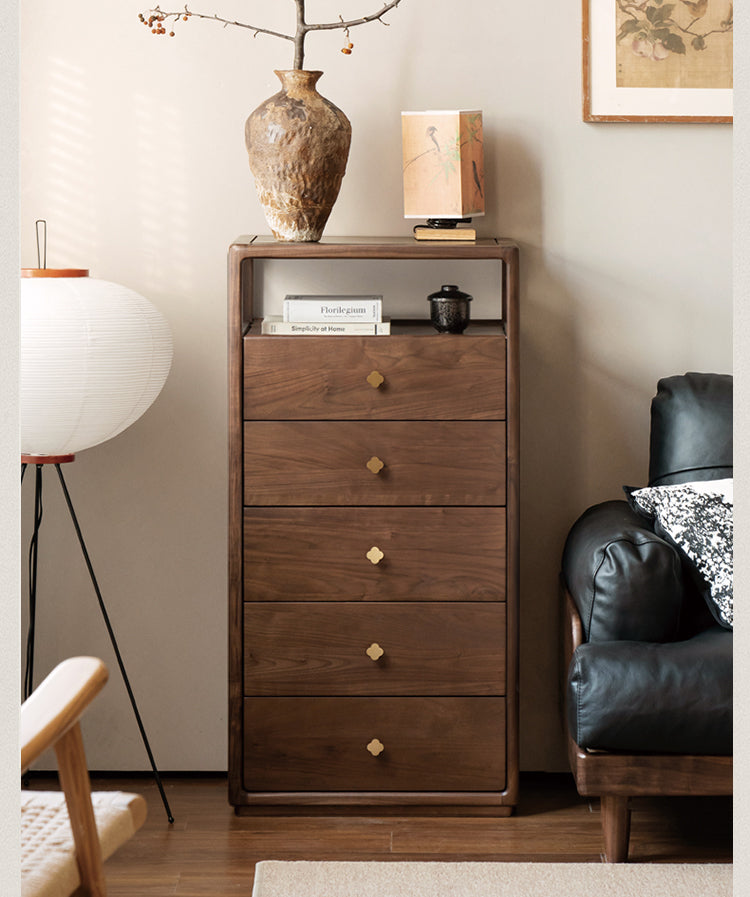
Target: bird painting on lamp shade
{"points": [[477, 179]]}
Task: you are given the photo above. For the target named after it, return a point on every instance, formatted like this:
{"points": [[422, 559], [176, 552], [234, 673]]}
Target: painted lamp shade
{"points": [[443, 164], [94, 356]]}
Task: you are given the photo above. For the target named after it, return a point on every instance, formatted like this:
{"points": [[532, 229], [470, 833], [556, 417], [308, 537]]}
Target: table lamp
{"points": [[443, 170]]}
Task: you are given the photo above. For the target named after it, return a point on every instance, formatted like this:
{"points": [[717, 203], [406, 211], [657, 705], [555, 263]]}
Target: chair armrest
{"points": [[57, 704], [625, 581]]}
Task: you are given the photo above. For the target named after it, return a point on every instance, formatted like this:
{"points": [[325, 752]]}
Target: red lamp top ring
{"points": [[54, 272]]}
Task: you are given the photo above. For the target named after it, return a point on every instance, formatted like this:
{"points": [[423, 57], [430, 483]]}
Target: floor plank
{"points": [[209, 851]]}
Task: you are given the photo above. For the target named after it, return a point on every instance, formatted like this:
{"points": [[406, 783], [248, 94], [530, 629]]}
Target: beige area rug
{"points": [[394, 879]]}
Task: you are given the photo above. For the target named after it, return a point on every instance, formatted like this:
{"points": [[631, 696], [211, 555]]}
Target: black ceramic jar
{"points": [[449, 309]]}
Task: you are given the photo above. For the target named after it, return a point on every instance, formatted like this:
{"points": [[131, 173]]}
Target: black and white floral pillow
{"points": [[698, 519]]}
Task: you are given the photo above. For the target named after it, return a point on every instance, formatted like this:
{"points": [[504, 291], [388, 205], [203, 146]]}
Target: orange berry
{"points": [[350, 46], [346, 50]]}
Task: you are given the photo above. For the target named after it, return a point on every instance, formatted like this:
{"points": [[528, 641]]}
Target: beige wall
{"points": [[132, 149]]}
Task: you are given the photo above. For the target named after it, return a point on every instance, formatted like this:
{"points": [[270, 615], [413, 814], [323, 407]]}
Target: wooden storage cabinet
{"points": [[373, 554]]}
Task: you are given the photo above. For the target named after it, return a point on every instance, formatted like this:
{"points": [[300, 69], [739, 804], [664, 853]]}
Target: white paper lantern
{"points": [[94, 356]]}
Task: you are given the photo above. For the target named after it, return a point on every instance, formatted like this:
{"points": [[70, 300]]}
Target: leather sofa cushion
{"points": [[691, 429], [668, 698], [624, 579]]}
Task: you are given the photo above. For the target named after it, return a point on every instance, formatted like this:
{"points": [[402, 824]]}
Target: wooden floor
{"points": [[209, 851]]}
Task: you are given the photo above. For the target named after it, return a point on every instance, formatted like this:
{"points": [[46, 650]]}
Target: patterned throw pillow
{"points": [[697, 518]]}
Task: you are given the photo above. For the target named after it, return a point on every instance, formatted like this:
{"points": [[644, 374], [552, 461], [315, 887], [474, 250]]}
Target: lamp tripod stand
{"points": [[40, 461]]}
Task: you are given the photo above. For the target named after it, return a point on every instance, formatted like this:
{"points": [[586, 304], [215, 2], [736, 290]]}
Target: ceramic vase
{"points": [[298, 144]]}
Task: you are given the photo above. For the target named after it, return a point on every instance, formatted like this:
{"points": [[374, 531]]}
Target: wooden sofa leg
{"points": [[616, 827]]}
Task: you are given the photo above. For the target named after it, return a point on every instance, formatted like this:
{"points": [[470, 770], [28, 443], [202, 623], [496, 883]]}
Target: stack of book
{"points": [[329, 316]]}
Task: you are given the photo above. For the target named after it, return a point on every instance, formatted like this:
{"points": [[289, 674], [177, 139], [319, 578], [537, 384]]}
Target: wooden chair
{"points": [[66, 835]]}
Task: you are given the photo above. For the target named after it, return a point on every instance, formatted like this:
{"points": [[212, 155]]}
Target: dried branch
{"points": [[155, 19], [376, 16]]}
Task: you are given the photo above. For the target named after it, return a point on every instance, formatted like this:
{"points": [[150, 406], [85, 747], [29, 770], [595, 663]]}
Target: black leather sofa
{"points": [[648, 658]]}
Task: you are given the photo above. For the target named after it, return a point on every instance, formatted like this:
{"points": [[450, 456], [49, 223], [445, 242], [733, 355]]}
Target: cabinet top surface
{"points": [[249, 246]]}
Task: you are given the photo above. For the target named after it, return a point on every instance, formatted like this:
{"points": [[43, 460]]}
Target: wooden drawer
{"points": [[322, 649], [325, 463], [320, 744], [321, 554], [431, 377]]}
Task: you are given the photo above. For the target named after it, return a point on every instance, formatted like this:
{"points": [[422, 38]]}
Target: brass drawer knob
{"points": [[374, 652], [375, 379], [375, 747], [374, 555], [375, 464]]}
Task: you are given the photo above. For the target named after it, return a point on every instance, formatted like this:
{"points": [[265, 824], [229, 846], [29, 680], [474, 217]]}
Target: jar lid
{"points": [[450, 291]]}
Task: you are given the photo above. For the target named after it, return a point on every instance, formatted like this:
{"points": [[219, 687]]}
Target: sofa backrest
{"points": [[691, 429]]}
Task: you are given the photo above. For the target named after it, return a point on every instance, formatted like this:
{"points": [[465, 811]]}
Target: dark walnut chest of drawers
{"points": [[373, 553]]}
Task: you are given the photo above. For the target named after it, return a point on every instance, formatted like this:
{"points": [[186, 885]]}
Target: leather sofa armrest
{"points": [[626, 582]]}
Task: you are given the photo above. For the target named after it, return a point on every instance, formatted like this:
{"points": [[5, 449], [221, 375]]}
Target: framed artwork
{"points": [[657, 60]]}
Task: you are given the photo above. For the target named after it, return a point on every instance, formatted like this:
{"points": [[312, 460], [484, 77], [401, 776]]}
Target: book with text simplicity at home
{"points": [[273, 324], [333, 308]]}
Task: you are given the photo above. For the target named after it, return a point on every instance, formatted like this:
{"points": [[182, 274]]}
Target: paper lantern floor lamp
{"points": [[94, 356]]}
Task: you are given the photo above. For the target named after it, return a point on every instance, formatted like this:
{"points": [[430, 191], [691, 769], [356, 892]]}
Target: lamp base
{"points": [[449, 232], [47, 459], [40, 461], [447, 222]]}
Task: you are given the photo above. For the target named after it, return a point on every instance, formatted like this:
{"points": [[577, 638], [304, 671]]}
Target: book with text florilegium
{"points": [[333, 308], [274, 325]]}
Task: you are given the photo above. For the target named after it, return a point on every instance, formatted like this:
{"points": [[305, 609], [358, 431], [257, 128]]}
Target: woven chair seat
{"points": [[48, 863]]}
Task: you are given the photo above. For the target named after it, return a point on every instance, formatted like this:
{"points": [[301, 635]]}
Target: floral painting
{"points": [[679, 44]]}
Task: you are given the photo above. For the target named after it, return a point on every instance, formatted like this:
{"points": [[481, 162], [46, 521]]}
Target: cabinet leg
{"points": [[615, 827]]}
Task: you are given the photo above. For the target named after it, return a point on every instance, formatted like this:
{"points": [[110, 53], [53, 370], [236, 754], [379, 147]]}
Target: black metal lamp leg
{"points": [[73, 517], [28, 682]]}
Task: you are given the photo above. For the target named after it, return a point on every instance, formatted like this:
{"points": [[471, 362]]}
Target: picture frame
{"points": [[657, 61]]}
